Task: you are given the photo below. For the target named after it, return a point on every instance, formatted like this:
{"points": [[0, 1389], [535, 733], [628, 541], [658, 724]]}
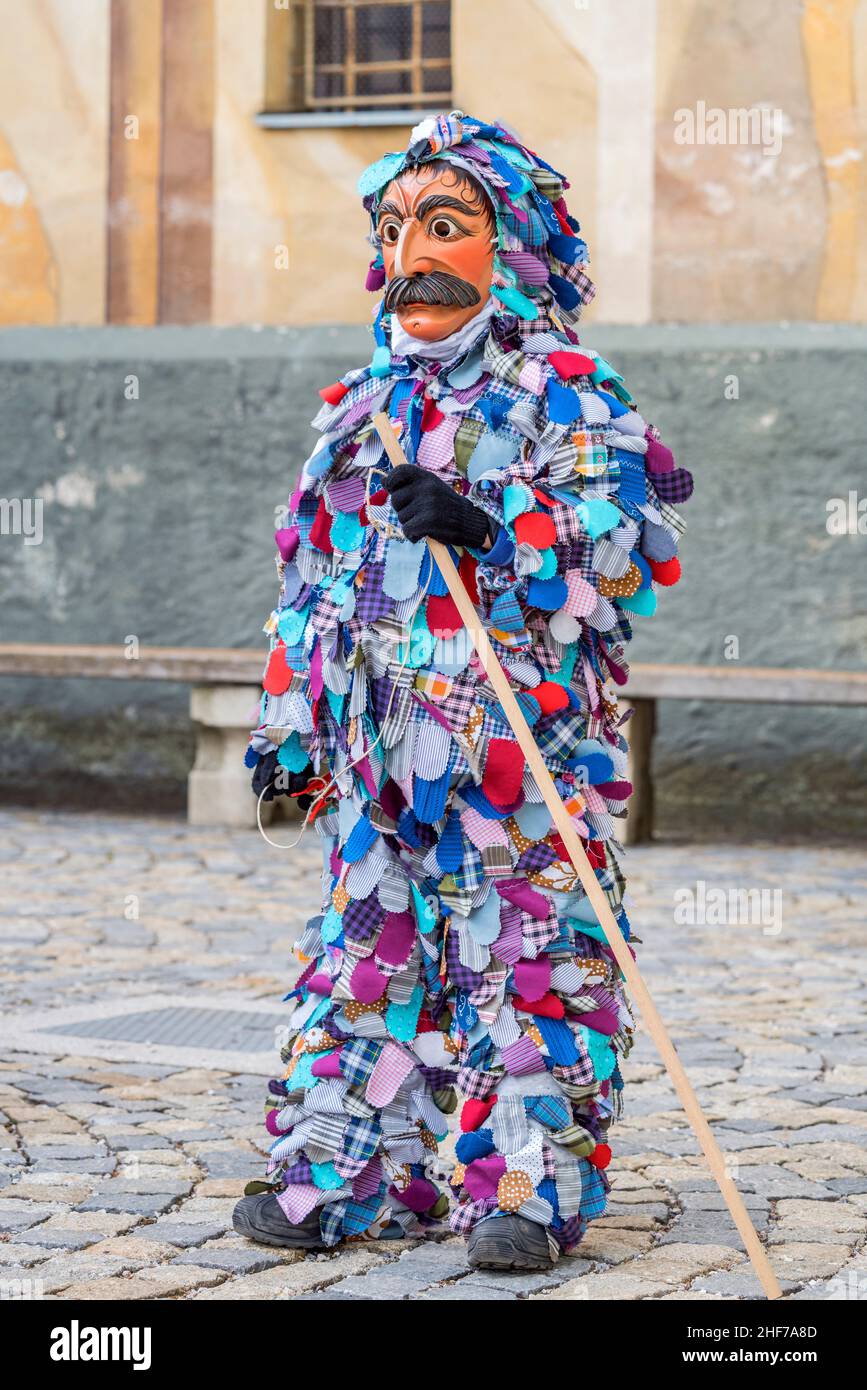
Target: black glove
{"points": [[272, 779], [426, 506]]}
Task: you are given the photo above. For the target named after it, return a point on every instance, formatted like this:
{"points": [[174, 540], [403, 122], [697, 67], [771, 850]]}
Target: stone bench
{"points": [[225, 692]]}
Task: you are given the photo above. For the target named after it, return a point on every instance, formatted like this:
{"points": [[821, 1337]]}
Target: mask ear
{"points": [[375, 274]]}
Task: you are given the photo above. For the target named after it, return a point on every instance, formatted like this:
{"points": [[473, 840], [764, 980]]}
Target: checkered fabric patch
{"points": [[594, 1192], [478, 1085], [465, 1216], [362, 917], [361, 1139], [358, 1059]]}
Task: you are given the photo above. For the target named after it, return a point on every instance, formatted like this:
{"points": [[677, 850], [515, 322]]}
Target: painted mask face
{"points": [[438, 239]]}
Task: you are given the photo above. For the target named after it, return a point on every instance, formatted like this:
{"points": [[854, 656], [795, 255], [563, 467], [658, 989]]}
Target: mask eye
{"points": [[389, 232], [443, 228]]}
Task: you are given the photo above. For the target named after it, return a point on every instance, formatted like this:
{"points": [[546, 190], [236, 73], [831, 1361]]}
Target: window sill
{"points": [[311, 120]]}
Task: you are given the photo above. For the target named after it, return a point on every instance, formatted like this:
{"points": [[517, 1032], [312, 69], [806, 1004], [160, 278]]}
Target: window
{"points": [[355, 56]]}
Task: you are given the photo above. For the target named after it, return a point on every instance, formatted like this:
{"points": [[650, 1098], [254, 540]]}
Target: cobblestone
{"points": [[120, 1162]]}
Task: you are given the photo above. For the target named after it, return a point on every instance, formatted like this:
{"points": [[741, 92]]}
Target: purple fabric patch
{"points": [[535, 859], [519, 892], [601, 1021], [507, 946], [329, 1065], [419, 1195], [300, 1171], [522, 1058], [533, 978], [365, 1183], [347, 495], [483, 1175], [367, 983], [361, 917], [371, 601], [397, 939]]}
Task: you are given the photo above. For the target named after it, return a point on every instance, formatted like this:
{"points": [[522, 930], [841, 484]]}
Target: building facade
{"points": [[194, 161]]}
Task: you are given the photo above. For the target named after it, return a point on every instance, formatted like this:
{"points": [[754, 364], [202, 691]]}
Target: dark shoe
{"points": [[262, 1219], [508, 1242]]}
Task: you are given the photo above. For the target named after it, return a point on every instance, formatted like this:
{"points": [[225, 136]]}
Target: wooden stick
{"points": [[594, 891]]}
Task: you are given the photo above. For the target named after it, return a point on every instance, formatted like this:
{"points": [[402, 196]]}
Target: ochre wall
{"points": [[205, 216]]}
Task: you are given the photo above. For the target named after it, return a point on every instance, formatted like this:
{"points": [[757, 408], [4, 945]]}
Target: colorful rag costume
{"points": [[455, 946]]}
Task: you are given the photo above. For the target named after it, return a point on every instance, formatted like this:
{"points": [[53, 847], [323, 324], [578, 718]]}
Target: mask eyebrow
{"points": [[390, 208], [442, 200]]}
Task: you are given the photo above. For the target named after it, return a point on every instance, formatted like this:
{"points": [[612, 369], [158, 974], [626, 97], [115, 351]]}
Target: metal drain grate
{"points": [[226, 1030]]}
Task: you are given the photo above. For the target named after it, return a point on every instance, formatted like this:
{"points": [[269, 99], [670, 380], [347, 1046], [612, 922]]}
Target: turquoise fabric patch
{"points": [[347, 532], [602, 1054], [516, 499], [291, 755], [421, 643], [302, 1076], [548, 568], [381, 172], [643, 603], [564, 675], [326, 1176], [424, 915], [380, 363], [292, 623], [332, 925], [401, 1020], [335, 702], [598, 516]]}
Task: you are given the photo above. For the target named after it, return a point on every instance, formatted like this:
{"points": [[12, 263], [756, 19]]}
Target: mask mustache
{"points": [[436, 287]]}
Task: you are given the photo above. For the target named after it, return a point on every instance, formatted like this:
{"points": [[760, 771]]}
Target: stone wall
{"points": [[161, 456]]}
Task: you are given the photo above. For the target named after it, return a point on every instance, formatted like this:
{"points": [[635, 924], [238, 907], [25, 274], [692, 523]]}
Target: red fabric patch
{"points": [[425, 1023], [379, 497], [504, 771], [431, 415], [596, 854], [334, 394], [277, 674], [467, 570], [600, 1157], [535, 528], [542, 497], [666, 572], [568, 364], [320, 531], [549, 1006], [616, 791], [558, 847], [443, 618], [550, 696], [475, 1112], [561, 218]]}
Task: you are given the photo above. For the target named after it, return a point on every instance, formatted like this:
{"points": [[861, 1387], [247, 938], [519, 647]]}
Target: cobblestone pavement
{"points": [[121, 1163]]}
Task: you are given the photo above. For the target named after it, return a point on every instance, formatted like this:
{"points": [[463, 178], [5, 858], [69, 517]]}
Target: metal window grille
{"points": [[358, 56]]}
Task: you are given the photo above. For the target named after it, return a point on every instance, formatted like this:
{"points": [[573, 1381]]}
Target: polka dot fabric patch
{"points": [[513, 1189]]}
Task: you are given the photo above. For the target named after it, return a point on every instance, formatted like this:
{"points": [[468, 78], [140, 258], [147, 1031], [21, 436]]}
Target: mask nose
{"points": [[409, 254]]}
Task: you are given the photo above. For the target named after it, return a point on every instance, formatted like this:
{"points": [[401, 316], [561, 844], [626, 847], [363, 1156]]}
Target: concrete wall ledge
{"points": [[173, 343]]}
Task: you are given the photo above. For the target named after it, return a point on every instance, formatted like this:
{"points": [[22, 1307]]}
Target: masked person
{"points": [[455, 947]]}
